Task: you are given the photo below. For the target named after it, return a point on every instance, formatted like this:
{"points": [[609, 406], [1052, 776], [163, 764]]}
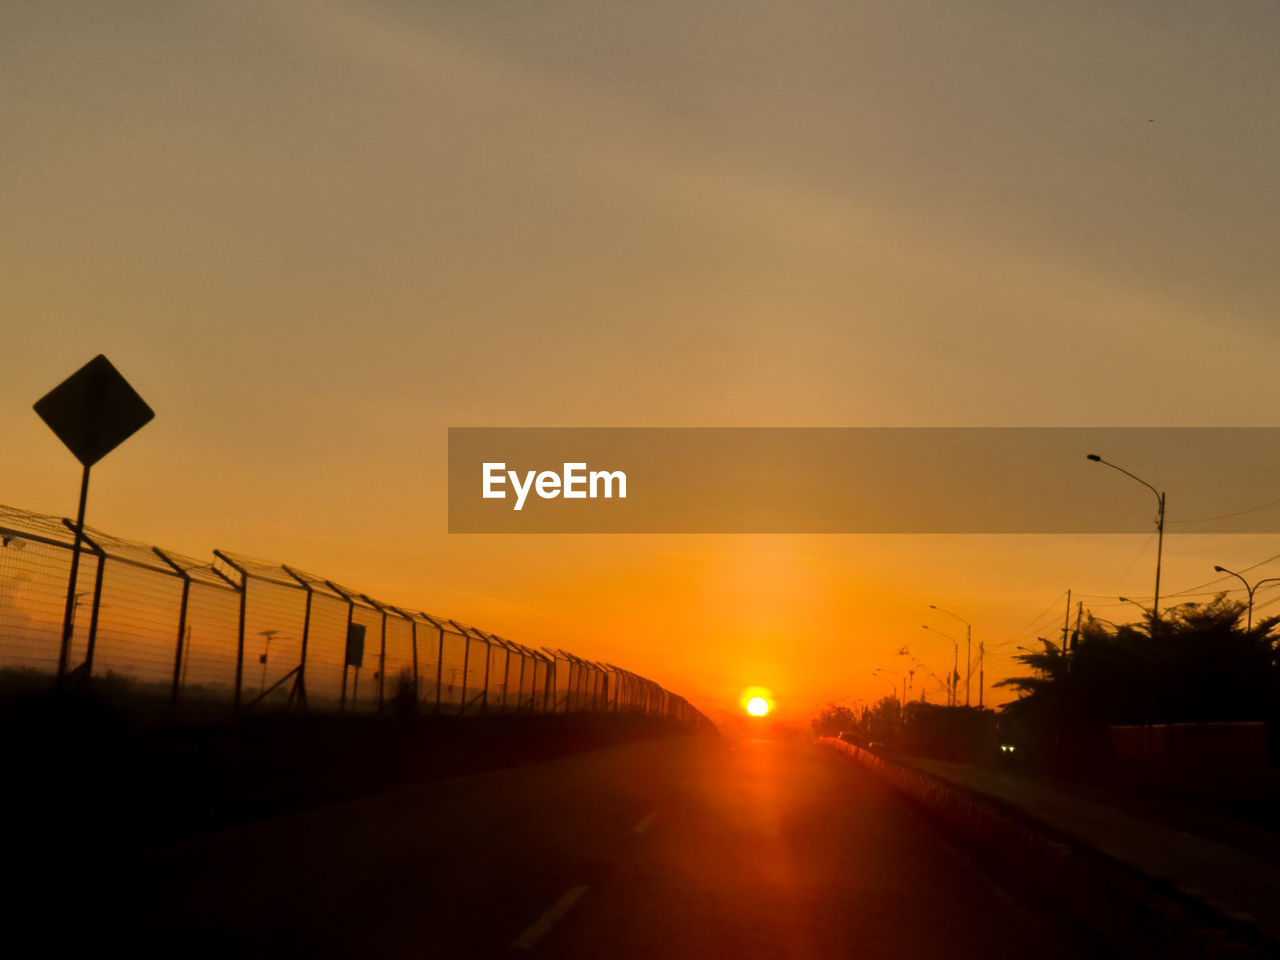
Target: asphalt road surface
{"points": [[693, 848]]}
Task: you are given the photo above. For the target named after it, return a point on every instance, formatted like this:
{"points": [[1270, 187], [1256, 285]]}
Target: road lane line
{"points": [[538, 929], [643, 825]]}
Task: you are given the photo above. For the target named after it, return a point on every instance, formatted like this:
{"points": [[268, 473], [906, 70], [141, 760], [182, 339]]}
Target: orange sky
{"points": [[316, 236]]}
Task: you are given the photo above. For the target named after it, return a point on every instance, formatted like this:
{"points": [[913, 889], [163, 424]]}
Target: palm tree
{"points": [[1203, 665]]}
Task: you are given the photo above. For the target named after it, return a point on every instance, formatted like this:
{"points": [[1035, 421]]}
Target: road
{"points": [[696, 848]]}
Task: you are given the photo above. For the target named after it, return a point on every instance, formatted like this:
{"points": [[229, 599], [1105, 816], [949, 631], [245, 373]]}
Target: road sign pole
{"points": [[68, 615], [92, 412]]}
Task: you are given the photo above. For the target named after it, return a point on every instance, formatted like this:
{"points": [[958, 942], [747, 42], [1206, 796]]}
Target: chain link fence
{"points": [[234, 633]]}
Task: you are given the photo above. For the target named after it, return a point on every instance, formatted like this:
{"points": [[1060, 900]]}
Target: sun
{"points": [[756, 700]]}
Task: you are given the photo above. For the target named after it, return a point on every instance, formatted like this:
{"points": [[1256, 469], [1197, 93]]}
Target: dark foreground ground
{"points": [[657, 848], [122, 779]]}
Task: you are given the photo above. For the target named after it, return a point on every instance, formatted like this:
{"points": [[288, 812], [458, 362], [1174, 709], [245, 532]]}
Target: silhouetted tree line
{"points": [[880, 722], [834, 720], [926, 729], [1194, 664], [948, 733]]}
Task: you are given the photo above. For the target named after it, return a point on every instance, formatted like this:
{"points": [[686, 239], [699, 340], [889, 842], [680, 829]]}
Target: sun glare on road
{"points": [[757, 706]]}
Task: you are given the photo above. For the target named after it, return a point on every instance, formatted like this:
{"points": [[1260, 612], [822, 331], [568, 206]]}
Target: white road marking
{"points": [[643, 825], [538, 929]]}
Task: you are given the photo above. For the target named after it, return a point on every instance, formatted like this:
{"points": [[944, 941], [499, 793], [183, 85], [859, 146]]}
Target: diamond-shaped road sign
{"points": [[94, 410]]}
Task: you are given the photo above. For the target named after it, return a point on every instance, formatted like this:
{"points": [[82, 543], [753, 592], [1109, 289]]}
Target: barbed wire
{"points": [[249, 632]]}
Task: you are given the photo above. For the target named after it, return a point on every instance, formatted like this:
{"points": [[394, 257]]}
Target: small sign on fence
{"points": [[355, 645]]}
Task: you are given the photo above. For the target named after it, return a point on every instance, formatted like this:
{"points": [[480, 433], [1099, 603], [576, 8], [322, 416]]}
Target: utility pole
{"points": [[982, 653], [955, 665], [1155, 603], [1066, 623], [968, 659]]}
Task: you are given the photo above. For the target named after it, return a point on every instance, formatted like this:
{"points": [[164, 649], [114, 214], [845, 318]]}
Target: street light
{"points": [[968, 647], [1248, 588], [911, 674], [1155, 603], [923, 668], [880, 670], [1189, 603], [955, 662], [1136, 604]]}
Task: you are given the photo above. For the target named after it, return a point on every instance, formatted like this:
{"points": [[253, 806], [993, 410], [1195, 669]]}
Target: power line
{"points": [[1209, 583], [1227, 516], [1132, 563], [1033, 624], [1034, 627]]}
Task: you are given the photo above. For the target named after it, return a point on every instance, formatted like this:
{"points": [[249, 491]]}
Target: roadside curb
{"points": [[1137, 915]]}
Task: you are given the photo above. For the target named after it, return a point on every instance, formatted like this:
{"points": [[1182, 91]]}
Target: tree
{"points": [[1202, 665], [833, 720], [882, 722]]}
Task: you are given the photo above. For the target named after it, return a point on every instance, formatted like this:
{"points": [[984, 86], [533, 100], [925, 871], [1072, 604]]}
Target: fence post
{"points": [[466, 657], [520, 683], [484, 691], [382, 660], [439, 657], [506, 673], [548, 682], [413, 627], [351, 597], [244, 593], [553, 679], [549, 685], [382, 649], [182, 624], [92, 643], [583, 678], [300, 682], [346, 666], [572, 680]]}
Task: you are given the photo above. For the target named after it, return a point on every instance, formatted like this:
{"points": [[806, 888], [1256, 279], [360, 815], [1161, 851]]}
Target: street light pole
{"points": [[1155, 603], [982, 654], [955, 660], [1136, 604], [896, 674], [1177, 606], [968, 648], [1250, 589]]}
